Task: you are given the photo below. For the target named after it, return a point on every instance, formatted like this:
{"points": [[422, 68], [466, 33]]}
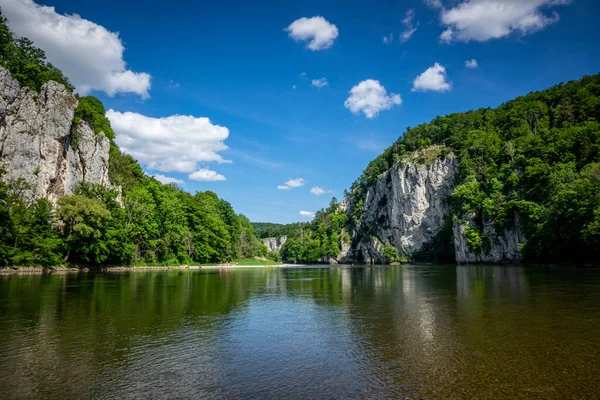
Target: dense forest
{"points": [[537, 157], [145, 222]]}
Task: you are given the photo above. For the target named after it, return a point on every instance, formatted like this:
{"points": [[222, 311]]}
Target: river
{"points": [[313, 332]]}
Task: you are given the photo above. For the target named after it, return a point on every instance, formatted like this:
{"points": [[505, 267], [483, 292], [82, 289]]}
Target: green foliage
{"points": [[123, 169], [26, 63], [84, 222], [318, 240], [267, 229], [91, 110], [274, 255], [390, 253], [27, 236]]}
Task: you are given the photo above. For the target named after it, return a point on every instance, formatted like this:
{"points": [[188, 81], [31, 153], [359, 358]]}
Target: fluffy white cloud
{"points": [[319, 83], [167, 179], [317, 31], [318, 191], [307, 214], [388, 39], [434, 3], [175, 143], [409, 27], [206, 175], [371, 98], [292, 183], [90, 55], [471, 63], [434, 79], [482, 20]]}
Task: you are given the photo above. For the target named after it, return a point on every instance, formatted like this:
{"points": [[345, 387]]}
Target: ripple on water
{"points": [[406, 331]]}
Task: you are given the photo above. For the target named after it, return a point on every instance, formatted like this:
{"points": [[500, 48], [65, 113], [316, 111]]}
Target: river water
{"points": [[314, 332]]}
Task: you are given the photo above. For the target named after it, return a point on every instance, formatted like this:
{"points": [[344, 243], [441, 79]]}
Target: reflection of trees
{"points": [[417, 331], [48, 322]]}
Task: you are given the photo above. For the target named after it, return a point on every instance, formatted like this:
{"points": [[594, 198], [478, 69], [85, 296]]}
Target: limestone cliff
{"points": [[405, 209], [502, 246], [274, 243], [40, 144]]}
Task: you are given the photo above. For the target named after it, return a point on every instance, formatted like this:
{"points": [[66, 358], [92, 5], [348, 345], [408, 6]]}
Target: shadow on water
{"points": [[416, 331]]}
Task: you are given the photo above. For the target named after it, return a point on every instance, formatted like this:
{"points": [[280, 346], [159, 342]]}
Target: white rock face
{"points": [[274, 243], [504, 246], [36, 131], [405, 208], [88, 161]]}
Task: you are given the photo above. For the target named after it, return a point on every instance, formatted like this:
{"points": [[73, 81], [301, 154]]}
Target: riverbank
{"points": [[64, 269]]}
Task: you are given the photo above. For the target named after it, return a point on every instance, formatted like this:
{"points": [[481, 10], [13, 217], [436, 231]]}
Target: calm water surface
{"points": [[360, 332]]}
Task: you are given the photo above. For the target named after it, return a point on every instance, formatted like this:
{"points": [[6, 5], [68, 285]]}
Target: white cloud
{"points": [[471, 63], [446, 36], [317, 31], [174, 85], [482, 20], [206, 175], [409, 28], [319, 83], [434, 79], [307, 214], [388, 39], [434, 3], [303, 75], [371, 98], [318, 191], [292, 183], [89, 55], [167, 179], [175, 143], [407, 34]]}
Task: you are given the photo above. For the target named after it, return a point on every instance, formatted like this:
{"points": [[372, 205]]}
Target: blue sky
{"points": [[234, 63]]}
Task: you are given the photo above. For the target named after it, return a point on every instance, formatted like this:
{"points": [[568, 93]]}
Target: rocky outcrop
{"points": [[501, 246], [40, 144], [405, 209], [274, 243]]}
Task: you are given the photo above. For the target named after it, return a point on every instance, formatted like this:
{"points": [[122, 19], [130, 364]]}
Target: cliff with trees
{"points": [[516, 183], [68, 195]]}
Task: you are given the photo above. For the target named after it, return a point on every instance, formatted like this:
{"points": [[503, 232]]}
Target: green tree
{"points": [[84, 222]]}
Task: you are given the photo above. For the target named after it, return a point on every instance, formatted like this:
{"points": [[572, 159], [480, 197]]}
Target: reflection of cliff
{"points": [[474, 283], [374, 332]]}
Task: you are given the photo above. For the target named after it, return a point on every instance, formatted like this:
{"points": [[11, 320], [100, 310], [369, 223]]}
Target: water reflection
{"points": [[416, 331]]}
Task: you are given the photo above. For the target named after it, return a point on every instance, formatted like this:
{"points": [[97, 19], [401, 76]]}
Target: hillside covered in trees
{"points": [[137, 220], [537, 157]]}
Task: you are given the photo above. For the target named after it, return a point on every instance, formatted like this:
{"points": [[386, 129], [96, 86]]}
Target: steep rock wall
{"points": [[405, 208], [40, 144], [274, 243], [504, 246]]}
